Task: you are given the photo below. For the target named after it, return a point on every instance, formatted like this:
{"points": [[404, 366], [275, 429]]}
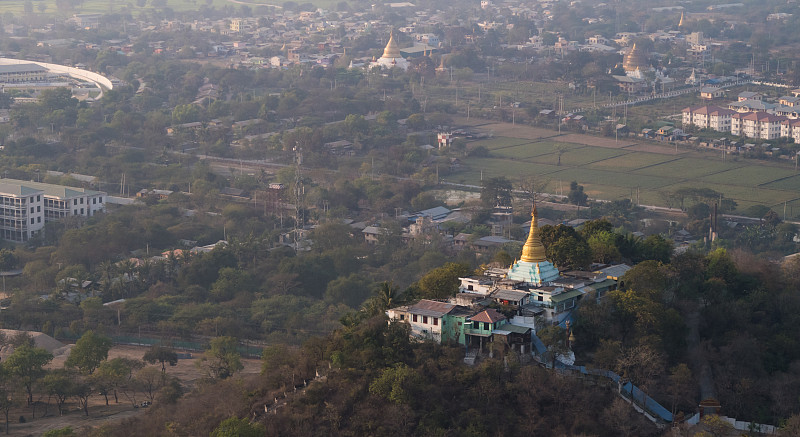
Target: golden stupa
{"points": [[533, 267], [636, 59], [533, 250], [681, 22], [391, 51]]}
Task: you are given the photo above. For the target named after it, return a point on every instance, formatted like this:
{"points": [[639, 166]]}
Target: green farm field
{"points": [[651, 169]]}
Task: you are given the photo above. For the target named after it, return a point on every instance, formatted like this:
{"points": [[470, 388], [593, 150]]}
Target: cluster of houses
{"points": [[429, 222], [750, 116], [501, 306]]}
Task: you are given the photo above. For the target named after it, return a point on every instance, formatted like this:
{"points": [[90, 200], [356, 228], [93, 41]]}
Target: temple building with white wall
{"points": [[391, 57]]}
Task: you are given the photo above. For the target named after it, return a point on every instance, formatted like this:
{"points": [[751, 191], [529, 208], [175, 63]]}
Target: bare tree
{"points": [[641, 365], [532, 188]]}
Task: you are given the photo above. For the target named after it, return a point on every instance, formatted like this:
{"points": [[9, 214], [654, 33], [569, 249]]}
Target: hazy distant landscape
{"points": [[346, 218]]}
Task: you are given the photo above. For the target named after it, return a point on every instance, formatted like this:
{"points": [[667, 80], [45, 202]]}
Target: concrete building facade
{"points": [[26, 206]]}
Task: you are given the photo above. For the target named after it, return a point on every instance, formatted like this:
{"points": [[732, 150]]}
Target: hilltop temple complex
{"points": [[505, 304]]}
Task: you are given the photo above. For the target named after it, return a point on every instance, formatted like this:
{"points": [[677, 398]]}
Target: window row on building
{"points": [[26, 206], [761, 125]]}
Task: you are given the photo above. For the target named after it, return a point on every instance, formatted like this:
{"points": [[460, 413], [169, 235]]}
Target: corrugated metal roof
{"points": [[603, 284], [615, 271], [516, 328], [431, 308], [434, 213], [509, 294], [566, 295]]}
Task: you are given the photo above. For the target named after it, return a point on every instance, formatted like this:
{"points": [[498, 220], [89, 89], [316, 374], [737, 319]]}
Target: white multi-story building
{"points": [[757, 125], [21, 212], [791, 129], [26, 206], [708, 117]]}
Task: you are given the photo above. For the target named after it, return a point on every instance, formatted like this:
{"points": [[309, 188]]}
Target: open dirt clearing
{"points": [[99, 413]]}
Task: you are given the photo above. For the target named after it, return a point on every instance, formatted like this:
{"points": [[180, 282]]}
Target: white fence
{"points": [[739, 425]]}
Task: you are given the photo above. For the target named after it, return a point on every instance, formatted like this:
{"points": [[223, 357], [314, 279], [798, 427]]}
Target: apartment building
{"points": [[26, 206], [791, 129], [757, 125], [708, 117]]}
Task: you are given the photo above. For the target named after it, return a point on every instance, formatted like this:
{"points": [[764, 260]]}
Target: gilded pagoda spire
{"points": [[391, 51], [533, 250], [681, 22]]}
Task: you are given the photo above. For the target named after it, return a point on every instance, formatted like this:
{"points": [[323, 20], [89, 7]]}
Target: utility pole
{"points": [[298, 192]]}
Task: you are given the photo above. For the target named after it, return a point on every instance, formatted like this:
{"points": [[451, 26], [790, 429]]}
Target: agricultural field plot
{"points": [[498, 143], [529, 90], [606, 192], [786, 183], [588, 140], [619, 179], [739, 193], [491, 167], [535, 149], [523, 151], [630, 161], [577, 157], [644, 170], [519, 131], [462, 121], [655, 148], [688, 168], [752, 175]]}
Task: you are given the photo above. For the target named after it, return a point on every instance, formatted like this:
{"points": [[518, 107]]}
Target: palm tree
{"points": [[172, 265], [386, 296], [127, 267], [106, 270]]}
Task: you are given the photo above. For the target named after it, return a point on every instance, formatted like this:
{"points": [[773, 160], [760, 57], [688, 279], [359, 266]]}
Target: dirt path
{"points": [[73, 418], [702, 369]]}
